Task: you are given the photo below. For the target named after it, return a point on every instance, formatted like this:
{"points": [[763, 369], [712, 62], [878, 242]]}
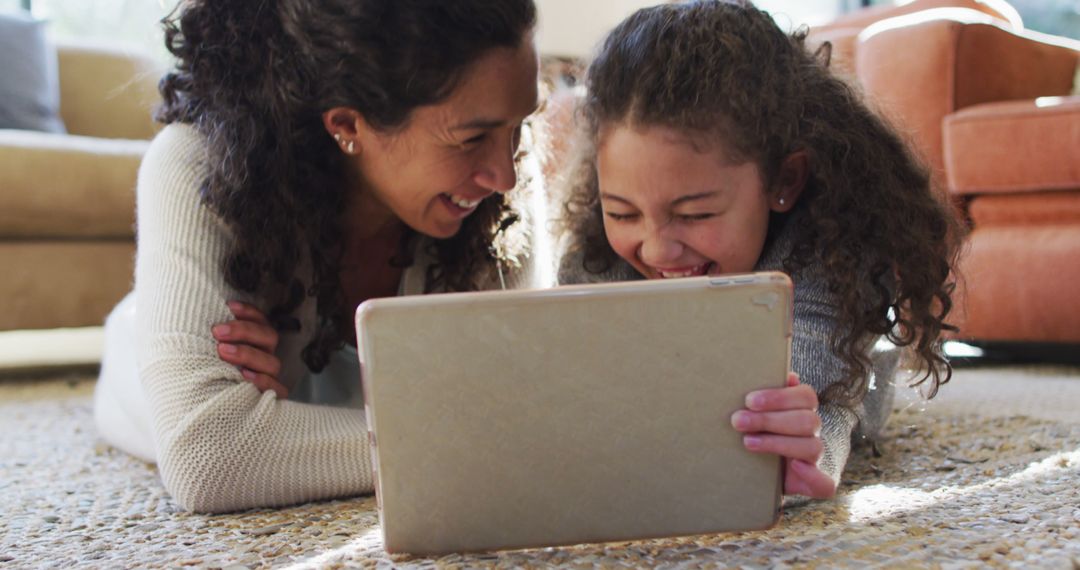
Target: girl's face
{"points": [[672, 210]]}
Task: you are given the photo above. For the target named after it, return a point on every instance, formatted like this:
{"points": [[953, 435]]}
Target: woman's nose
{"points": [[498, 173]]}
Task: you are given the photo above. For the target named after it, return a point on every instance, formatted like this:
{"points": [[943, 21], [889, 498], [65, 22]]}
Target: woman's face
{"points": [[450, 156], [672, 210]]}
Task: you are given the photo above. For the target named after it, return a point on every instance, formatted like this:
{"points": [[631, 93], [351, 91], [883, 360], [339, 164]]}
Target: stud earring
{"points": [[337, 137], [349, 147], [782, 201]]}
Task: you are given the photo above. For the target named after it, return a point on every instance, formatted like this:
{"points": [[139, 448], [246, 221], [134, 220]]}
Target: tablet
{"points": [[586, 413]]}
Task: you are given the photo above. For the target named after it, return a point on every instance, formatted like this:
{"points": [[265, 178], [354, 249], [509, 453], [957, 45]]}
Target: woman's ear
{"points": [[790, 181], [346, 126]]}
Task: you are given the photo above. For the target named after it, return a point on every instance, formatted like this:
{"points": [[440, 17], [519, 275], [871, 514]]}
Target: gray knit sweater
{"points": [[811, 357]]}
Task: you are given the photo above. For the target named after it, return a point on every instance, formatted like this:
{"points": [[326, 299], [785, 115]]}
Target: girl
{"points": [[715, 143]]}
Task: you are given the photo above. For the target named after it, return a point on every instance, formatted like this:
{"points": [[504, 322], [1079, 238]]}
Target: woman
{"points": [[316, 154]]}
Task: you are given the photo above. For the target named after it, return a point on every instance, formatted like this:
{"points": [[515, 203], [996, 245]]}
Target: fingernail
{"points": [[247, 374], [740, 420], [800, 465], [228, 348], [235, 305], [797, 488], [222, 330], [752, 441], [755, 400]]}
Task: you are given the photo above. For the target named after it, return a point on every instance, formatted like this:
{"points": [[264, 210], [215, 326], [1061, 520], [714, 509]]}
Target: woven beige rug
{"points": [[950, 489]]}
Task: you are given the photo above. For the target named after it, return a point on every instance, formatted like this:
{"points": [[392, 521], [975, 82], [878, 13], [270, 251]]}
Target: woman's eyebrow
{"points": [[478, 124], [484, 123]]}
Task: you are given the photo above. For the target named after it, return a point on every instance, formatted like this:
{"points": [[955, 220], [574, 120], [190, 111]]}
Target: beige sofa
{"points": [[67, 202]]}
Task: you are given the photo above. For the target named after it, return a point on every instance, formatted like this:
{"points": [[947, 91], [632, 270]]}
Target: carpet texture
{"points": [[946, 488]]}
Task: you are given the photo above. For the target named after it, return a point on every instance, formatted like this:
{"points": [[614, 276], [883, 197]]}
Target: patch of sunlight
{"points": [[883, 344], [542, 253], [880, 501], [954, 349], [1049, 101], [366, 546]]}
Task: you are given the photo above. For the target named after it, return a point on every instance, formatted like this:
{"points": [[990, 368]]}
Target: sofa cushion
{"points": [[1026, 209], [29, 83], [1019, 284], [51, 284], [107, 91], [65, 186], [1014, 146]]}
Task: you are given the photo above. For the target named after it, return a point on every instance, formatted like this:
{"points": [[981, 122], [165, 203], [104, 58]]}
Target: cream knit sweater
{"points": [[220, 444]]}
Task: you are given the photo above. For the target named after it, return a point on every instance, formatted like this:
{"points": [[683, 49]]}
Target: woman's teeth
{"points": [[463, 203]]}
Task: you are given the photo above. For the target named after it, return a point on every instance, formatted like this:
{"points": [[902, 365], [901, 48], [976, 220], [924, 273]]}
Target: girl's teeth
{"points": [[678, 274]]}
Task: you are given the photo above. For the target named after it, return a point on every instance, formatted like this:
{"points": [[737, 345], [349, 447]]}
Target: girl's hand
{"points": [[249, 343], [784, 421]]}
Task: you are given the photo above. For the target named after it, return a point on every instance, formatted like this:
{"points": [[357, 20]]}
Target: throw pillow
{"points": [[29, 81]]}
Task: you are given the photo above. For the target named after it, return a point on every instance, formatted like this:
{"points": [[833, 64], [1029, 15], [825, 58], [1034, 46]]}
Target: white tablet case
{"points": [[577, 414]]}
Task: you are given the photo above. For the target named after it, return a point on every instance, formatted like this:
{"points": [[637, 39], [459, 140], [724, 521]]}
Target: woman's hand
{"points": [[785, 422], [249, 343]]}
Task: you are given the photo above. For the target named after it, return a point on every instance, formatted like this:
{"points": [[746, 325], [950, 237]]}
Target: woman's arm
{"points": [[222, 445]]}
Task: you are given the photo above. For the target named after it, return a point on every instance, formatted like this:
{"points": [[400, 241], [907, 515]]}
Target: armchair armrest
{"points": [[919, 68], [866, 16], [843, 31], [107, 92]]}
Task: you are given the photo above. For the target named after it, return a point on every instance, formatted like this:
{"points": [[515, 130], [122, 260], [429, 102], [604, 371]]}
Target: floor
{"points": [[982, 476], [1043, 392]]}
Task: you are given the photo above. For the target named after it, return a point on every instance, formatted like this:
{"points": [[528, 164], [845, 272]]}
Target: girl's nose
{"points": [[659, 250]]}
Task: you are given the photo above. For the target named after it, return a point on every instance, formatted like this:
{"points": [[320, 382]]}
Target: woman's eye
{"points": [[474, 140], [694, 217]]}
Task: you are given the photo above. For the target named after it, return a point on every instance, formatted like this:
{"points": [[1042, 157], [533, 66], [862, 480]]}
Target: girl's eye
{"points": [[694, 217], [620, 217]]}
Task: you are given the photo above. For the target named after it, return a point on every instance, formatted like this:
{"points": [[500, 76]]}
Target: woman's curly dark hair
{"points": [[255, 77], [723, 71]]}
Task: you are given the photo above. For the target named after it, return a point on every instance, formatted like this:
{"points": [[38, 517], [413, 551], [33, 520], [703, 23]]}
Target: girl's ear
{"points": [[347, 127], [790, 181]]}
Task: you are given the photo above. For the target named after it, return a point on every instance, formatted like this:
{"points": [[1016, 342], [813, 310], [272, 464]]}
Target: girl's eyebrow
{"points": [[610, 196], [693, 197], [676, 202]]}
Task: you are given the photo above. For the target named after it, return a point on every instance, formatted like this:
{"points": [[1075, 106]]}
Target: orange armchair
{"points": [[988, 106], [843, 32]]}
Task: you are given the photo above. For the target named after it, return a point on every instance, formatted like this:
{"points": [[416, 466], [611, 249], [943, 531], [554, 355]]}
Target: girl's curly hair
{"points": [[255, 77], [722, 71]]}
